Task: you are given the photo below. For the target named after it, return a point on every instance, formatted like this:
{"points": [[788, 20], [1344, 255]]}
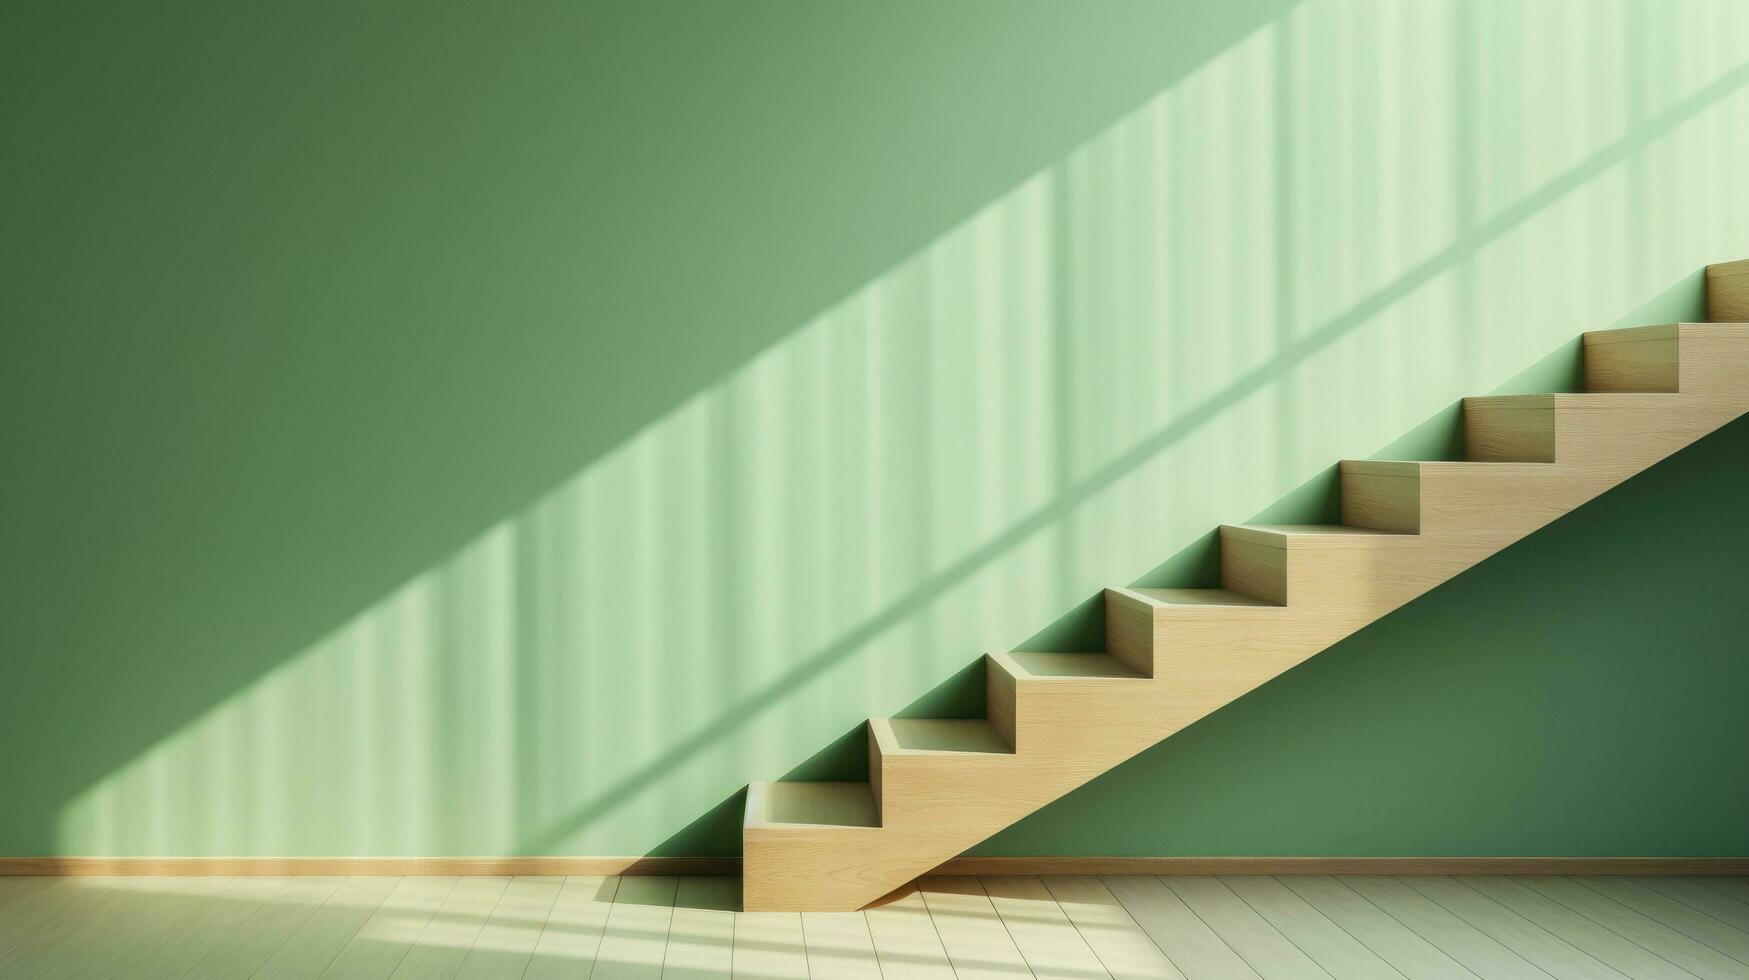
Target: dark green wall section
{"points": [[468, 428]]}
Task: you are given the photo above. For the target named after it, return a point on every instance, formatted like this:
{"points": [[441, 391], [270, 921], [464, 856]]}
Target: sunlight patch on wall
{"points": [[1307, 246]]}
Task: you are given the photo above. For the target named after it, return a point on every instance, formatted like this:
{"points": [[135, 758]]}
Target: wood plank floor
{"points": [[1053, 928]]}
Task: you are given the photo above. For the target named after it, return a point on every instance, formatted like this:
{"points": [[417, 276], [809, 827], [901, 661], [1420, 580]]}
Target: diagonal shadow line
{"points": [[1107, 474]]}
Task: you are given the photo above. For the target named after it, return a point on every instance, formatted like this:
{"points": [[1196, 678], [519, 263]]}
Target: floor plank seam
{"points": [[1606, 927], [1344, 929], [1669, 925], [1285, 937]]}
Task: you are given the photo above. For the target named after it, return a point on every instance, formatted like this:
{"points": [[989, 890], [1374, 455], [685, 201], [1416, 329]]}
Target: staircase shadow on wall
{"points": [[389, 399]]}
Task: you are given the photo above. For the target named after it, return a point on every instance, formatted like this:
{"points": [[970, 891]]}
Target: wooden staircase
{"points": [[1056, 720]]}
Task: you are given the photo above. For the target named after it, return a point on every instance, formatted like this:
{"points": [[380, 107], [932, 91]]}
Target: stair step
{"points": [[1410, 469], [1524, 429], [1065, 666], [1464, 497], [782, 804], [1727, 291], [1254, 557], [1198, 597], [1633, 359], [938, 736], [1276, 535]]}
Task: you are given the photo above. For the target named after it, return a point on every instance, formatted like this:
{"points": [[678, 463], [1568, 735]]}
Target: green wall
{"points": [[453, 428]]}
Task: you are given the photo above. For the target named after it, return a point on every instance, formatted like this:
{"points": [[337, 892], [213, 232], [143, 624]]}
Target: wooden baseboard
{"points": [[398, 866], [1347, 866]]}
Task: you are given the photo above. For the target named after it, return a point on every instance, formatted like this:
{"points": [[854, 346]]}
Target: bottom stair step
{"points": [[841, 804]]}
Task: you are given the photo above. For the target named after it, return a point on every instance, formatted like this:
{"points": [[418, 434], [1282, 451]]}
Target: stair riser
{"points": [[838, 869], [1518, 429], [1727, 291], [1381, 500], [1254, 568], [923, 792], [1129, 631], [1645, 359], [1060, 718]]}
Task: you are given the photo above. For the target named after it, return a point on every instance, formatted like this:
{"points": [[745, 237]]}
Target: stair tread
{"points": [[956, 736], [1404, 466], [1627, 335], [1047, 666], [838, 804], [1274, 534], [1320, 529], [1625, 397], [1200, 597]]}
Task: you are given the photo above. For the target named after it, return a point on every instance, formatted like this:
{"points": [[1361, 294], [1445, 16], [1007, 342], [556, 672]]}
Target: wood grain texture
{"points": [[1056, 721], [1385, 496], [1510, 429], [1727, 292], [1638, 359]]}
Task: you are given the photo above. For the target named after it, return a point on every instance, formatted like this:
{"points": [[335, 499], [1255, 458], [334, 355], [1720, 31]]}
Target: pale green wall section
{"points": [[474, 432]]}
